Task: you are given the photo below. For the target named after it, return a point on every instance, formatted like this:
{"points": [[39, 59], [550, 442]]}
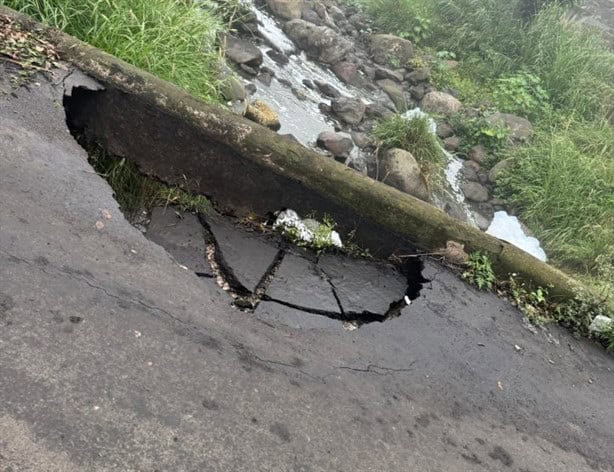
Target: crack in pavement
{"points": [[374, 368]]}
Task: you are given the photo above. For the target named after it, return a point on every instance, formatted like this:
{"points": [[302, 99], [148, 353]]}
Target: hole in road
{"points": [[258, 269]]}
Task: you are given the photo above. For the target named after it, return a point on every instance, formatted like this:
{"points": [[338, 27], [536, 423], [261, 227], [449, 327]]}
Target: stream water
{"points": [[298, 108]]}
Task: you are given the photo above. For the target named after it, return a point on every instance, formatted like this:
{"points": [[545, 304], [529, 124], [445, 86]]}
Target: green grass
{"points": [[413, 136], [135, 192], [173, 39], [563, 186]]}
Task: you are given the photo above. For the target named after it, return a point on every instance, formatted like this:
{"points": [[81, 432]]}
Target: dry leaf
{"points": [[106, 214], [99, 225]]}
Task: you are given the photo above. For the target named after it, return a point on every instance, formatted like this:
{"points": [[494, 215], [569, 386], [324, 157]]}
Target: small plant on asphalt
{"points": [[478, 271]]}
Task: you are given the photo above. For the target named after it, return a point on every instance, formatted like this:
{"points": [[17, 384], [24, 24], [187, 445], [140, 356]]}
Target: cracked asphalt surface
{"points": [[115, 358]]}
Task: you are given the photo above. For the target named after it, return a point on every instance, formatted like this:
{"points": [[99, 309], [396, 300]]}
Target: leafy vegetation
{"points": [[563, 185], [136, 193], [478, 271], [173, 39], [413, 135]]}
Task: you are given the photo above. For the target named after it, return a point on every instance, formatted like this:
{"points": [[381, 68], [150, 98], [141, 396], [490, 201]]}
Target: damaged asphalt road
{"points": [[113, 357]]}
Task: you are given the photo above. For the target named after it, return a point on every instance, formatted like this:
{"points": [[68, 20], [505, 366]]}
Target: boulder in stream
{"points": [[520, 129], [387, 49], [349, 110], [319, 42], [340, 145], [286, 9], [242, 52], [400, 169], [263, 114], [475, 192], [440, 102], [348, 72]]}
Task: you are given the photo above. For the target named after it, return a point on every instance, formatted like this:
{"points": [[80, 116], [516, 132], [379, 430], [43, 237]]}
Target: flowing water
{"points": [[297, 107]]}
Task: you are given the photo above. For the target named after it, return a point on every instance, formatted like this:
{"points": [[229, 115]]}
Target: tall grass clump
{"points": [[412, 135], [173, 39], [575, 65], [563, 185]]}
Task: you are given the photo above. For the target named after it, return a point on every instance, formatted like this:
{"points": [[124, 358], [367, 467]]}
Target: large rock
{"points": [[395, 92], [387, 49], [340, 145], [260, 112], [286, 9], [233, 89], [440, 102], [401, 170], [520, 129], [500, 167], [242, 52], [348, 72], [350, 110], [319, 42], [384, 73], [475, 192], [327, 89]]}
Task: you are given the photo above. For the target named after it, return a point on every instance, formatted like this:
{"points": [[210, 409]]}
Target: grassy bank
{"points": [[173, 39], [524, 57]]}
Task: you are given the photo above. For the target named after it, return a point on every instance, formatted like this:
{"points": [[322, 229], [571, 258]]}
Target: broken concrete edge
{"points": [[426, 227]]}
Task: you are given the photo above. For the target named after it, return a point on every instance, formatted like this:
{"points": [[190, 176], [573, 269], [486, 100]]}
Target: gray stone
{"points": [[299, 282], [348, 73], [499, 167], [384, 73], [361, 140], [363, 286], [475, 192], [242, 52], [444, 130], [233, 89], [338, 144], [327, 89], [401, 170], [470, 171], [395, 92], [349, 110], [452, 143], [478, 154], [419, 75], [286, 9], [182, 235], [440, 102], [520, 129], [387, 49], [319, 42], [378, 110], [247, 255], [418, 91]]}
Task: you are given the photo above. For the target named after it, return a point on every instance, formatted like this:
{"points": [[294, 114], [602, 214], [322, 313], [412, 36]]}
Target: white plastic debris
{"points": [[305, 229], [601, 324]]}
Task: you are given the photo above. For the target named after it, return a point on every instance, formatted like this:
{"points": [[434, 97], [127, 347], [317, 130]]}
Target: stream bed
{"points": [[289, 90]]}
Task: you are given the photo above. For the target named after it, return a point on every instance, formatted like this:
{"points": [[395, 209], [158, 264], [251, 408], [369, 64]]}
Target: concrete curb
{"points": [[394, 216]]}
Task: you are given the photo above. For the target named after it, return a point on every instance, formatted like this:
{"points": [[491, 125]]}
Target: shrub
{"points": [[173, 39]]}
